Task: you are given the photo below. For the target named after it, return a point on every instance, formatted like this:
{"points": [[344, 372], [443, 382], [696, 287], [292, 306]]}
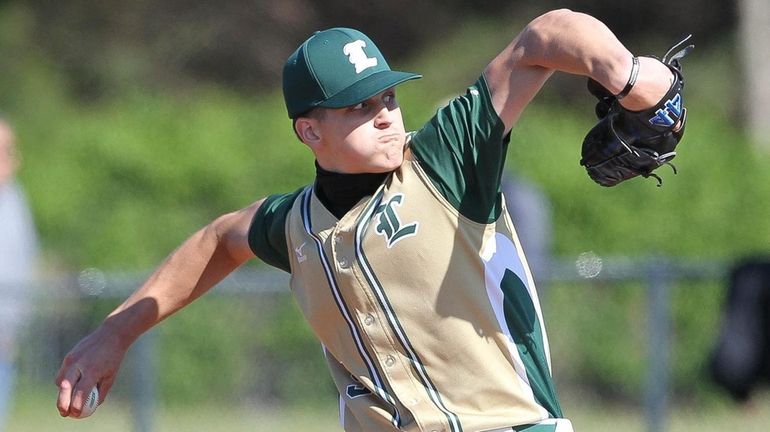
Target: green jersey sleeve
{"points": [[462, 149], [267, 232]]}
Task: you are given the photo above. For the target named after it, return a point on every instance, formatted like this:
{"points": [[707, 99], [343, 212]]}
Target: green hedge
{"points": [[118, 184]]}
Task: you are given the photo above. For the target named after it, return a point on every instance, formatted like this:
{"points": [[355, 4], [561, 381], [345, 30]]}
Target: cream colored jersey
{"points": [[420, 294]]}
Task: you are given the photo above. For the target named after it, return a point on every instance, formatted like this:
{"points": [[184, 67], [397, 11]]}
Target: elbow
{"points": [[214, 229], [534, 42], [218, 231], [229, 233], [551, 22]]}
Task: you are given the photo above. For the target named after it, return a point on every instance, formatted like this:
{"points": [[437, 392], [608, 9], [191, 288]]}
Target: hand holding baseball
{"points": [[87, 373]]}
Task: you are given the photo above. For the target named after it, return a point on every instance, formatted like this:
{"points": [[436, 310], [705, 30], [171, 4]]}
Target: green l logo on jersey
{"points": [[389, 224]]}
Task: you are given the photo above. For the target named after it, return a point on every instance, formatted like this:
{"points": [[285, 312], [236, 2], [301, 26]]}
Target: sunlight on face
{"points": [[365, 138]]}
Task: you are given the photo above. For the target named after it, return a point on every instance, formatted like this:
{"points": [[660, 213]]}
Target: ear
{"points": [[308, 131]]}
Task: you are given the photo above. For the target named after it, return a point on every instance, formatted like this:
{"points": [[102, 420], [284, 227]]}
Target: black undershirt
{"points": [[340, 192]]}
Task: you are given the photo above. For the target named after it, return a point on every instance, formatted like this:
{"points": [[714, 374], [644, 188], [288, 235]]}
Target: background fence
{"points": [[52, 332]]}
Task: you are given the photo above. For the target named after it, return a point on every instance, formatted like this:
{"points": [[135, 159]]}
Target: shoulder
{"points": [[267, 230]]}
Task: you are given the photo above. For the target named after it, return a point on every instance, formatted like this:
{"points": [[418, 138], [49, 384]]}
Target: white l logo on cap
{"points": [[355, 52]]}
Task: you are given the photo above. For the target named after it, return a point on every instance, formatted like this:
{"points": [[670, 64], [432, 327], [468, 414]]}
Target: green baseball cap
{"points": [[336, 68]]}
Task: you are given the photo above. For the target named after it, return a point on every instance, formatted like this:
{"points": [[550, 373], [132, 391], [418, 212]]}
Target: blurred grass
{"points": [[36, 412], [590, 414]]}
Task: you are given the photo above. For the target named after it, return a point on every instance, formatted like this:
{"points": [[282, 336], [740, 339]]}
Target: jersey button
{"points": [[390, 361], [369, 319], [337, 239], [344, 263]]}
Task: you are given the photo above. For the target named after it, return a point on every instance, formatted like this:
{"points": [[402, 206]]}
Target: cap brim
{"points": [[368, 87]]}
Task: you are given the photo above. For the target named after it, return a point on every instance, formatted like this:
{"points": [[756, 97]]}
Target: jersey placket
{"points": [[390, 361], [375, 321], [354, 354]]}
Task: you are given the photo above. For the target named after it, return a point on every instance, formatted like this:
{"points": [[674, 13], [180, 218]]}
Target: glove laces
{"points": [[674, 59]]}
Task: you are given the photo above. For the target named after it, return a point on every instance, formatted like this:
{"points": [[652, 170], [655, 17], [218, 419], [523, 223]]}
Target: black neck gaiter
{"points": [[340, 192]]}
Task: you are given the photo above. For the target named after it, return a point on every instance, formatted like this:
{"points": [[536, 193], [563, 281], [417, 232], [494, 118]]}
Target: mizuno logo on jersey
{"points": [[670, 113], [301, 257], [389, 224]]}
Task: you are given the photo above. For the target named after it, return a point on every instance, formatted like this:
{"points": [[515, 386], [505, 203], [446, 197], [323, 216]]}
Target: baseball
{"points": [[91, 403]]}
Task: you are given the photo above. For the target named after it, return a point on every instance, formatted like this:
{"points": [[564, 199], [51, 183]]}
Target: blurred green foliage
{"points": [[118, 184], [101, 47]]}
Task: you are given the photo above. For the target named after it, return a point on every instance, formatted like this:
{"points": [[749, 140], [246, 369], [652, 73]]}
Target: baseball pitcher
{"points": [[402, 255]]}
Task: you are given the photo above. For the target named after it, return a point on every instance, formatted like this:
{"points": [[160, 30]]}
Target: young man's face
{"points": [[366, 138]]}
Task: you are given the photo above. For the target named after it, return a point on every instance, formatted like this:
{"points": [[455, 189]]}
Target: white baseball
{"points": [[91, 403]]}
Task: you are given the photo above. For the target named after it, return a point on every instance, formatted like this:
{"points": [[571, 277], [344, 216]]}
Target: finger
{"points": [[66, 381], [65, 366], [80, 394]]}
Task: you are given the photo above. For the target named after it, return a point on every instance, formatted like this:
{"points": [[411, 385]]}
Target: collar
{"points": [[340, 192]]}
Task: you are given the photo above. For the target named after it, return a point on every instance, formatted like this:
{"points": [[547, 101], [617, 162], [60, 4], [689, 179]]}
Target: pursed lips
{"points": [[389, 137]]}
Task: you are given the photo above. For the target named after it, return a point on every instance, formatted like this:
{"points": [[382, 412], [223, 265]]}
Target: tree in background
{"points": [[106, 45]]}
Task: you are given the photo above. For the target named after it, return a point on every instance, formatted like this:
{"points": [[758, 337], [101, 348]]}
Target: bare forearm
{"points": [[191, 270], [576, 43], [580, 44], [197, 265]]}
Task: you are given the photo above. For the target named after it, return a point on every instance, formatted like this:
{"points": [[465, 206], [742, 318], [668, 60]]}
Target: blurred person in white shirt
{"points": [[18, 252]]}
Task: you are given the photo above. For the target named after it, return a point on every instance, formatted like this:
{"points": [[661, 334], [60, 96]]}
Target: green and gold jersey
{"points": [[420, 294]]}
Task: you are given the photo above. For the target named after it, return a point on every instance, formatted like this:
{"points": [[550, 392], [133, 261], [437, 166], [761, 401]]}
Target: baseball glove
{"points": [[625, 144]]}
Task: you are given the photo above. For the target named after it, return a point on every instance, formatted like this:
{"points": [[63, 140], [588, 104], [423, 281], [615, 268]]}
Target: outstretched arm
{"points": [[197, 265], [576, 43]]}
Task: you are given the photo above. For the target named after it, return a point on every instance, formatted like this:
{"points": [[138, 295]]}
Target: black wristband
{"points": [[631, 80]]}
